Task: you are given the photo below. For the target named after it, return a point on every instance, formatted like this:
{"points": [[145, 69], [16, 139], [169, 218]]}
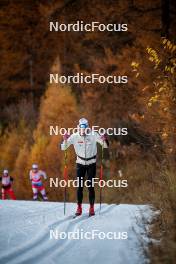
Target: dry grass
{"points": [[150, 182]]}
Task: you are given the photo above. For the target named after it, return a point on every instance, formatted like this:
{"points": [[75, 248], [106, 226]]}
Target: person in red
{"points": [[6, 182]]}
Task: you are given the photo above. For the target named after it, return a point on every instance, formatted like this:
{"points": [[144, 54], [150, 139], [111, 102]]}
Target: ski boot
{"points": [[35, 197], [91, 210], [79, 210], [45, 198]]}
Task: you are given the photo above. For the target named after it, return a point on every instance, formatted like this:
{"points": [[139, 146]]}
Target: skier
{"points": [[36, 178], [6, 182], [85, 146]]}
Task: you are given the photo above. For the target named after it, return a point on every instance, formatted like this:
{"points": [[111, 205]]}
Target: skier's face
{"points": [[82, 131], [35, 170], [5, 174]]}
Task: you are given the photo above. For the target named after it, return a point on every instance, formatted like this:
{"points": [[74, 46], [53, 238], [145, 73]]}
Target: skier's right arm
{"points": [[67, 142], [43, 173]]}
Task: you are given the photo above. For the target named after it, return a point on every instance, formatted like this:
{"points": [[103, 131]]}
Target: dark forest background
{"points": [[146, 105]]}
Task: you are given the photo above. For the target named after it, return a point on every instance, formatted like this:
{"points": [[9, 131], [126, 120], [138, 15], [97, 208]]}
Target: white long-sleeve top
{"points": [[85, 146], [36, 177], [6, 180]]}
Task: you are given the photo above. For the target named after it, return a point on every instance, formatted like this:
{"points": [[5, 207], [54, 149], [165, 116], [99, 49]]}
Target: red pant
{"points": [[8, 191]]}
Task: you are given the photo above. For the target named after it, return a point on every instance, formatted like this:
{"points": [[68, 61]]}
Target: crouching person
{"points": [[36, 176], [6, 182]]}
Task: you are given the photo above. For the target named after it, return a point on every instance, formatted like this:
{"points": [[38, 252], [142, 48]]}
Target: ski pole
{"points": [[101, 173], [65, 176]]}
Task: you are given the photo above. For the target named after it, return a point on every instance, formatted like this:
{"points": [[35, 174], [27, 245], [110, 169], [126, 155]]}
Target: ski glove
{"points": [[104, 137], [66, 136]]}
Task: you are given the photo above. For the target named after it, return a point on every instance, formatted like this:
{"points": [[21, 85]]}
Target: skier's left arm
{"points": [[11, 179], [44, 175], [102, 140]]}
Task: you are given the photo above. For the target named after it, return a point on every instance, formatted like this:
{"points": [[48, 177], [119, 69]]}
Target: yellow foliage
{"points": [[21, 174], [134, 64], [58, 107], [38, 152], [137, 74], [164, 135], [10, 149]]}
